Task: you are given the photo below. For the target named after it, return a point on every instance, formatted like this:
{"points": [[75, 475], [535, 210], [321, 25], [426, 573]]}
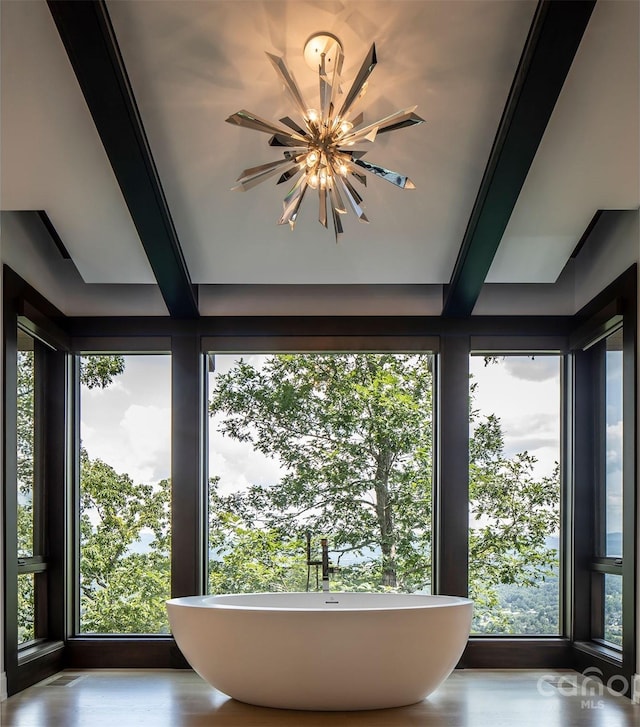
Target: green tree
{"points": [[122, 591], [353, 434], [514, 513], [249, 559], [95, 372], [25, 468]]}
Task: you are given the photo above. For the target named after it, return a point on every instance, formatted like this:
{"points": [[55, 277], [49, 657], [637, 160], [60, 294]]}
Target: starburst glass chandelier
{"points": [[320, 151]]}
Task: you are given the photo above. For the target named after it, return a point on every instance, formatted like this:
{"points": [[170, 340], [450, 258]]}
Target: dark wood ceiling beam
{"points": [[554, 37], [90, 42]]}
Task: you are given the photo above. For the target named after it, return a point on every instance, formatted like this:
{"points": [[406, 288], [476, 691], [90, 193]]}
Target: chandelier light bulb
{"points": [[321, 150]]}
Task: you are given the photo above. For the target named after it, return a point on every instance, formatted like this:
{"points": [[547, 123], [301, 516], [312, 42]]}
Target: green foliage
{"points": [[353, 433], [25, 417], [25, 469], [354, 436], [525, 610], [249, 560], [613, 610], [97, 372], [514, 514], [122, 591], [26, 604]]}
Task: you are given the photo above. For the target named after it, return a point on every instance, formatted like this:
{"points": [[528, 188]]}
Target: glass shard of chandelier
{"points": [[319, 151]]}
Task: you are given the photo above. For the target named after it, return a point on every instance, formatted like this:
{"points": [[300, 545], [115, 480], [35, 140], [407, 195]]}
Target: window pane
{"points": [[613, 609], [125, 493], [26, 443], [337, 445], [613, 444], [514, 493], [26, 607]]}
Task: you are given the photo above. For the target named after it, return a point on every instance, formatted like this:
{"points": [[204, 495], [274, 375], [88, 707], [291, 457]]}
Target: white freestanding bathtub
{"points": [[322, 651]]}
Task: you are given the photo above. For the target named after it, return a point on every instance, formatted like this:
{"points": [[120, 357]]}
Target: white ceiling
{"points": [[51, 155], [192, 64], [588, 158]]}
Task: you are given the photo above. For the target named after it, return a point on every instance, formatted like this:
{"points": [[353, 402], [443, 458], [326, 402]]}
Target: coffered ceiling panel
{"points": [[589, 156], [193, 64], [51, 155]]}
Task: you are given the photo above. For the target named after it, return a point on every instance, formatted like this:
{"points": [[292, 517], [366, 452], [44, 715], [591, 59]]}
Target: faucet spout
{"points": [[325, 565]]}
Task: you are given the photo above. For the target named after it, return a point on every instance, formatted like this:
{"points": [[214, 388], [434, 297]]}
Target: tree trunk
{"points": [[385, 518]]}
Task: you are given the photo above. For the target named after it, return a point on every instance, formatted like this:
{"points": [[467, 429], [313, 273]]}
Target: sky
{"points": [[524, 392], [128, 424]]}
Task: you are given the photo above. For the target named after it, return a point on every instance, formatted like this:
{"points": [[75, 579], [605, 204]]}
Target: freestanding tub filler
{"points": [[322, 651]]}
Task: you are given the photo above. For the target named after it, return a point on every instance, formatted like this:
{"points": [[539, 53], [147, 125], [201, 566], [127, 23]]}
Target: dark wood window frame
{"points": [[189, 339], [616, 306], [451, 342], [25, 309], [37, 562]]}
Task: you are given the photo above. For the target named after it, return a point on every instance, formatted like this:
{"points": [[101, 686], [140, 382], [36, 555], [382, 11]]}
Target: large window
{"points": [[338, 446], [514, 493], [124, 494], [330, 445], [31, 537], [607, 565]]}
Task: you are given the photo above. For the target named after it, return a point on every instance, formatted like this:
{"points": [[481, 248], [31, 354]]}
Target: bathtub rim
{"points": [[328, 606]]}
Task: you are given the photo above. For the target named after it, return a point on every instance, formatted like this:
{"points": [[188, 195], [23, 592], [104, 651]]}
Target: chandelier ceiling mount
{"points": [[322, 43]]}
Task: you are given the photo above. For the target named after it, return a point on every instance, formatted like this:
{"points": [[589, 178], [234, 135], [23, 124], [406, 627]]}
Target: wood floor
{"points": [[166, 698]]}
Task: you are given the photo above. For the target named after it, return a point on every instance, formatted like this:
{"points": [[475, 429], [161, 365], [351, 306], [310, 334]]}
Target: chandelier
{"points": [[320, 150]]}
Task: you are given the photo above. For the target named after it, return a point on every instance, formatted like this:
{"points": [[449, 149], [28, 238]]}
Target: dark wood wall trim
{"points": [[56, 493], [9, 490], [18, 290], [583, 495], [587, 659], [629, 489], [187, 468], [318, 326], [33, 668], [616, 304], [129, 652], [553, 40], [517, 653], [451, 492], [321, 344], [28, 665]]}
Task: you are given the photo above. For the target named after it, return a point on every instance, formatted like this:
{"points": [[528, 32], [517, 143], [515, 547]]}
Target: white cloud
{"points": [[139, 445], [238, 464], [614, 447], [128, 425], [528, 405], [536, 368], [148, 431]]}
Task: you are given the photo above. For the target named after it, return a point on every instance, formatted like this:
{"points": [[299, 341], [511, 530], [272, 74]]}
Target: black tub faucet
{"points": [[326, 570]]}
